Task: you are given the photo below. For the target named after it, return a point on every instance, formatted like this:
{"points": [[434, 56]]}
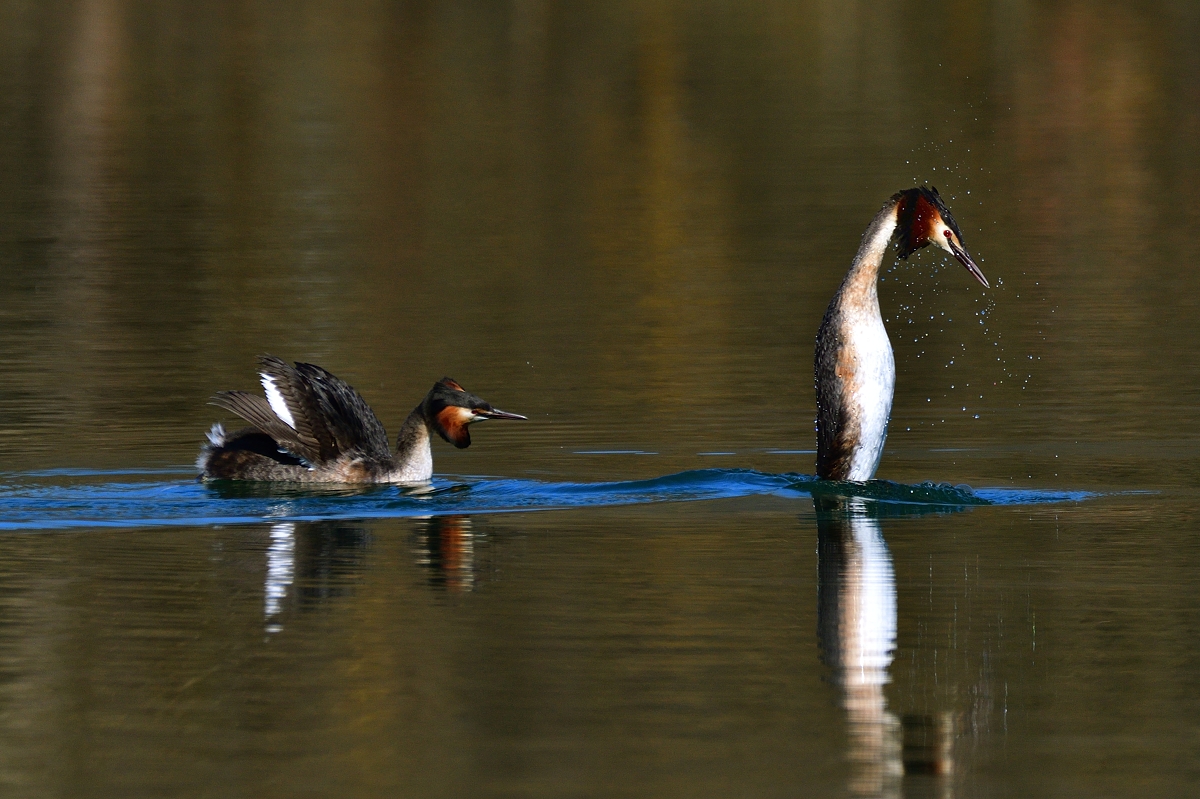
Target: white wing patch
{"points": [[276, 400]]}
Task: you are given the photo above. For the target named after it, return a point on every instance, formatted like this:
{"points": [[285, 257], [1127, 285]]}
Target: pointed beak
{"points": [[961, 255], [495, 413]]}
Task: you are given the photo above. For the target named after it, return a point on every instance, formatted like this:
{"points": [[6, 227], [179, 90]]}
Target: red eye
{"points": [[948, 233]]}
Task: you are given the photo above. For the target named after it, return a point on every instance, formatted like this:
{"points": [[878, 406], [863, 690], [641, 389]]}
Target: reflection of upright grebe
{"points": [[314, 428], [854, 370], [856, 616]]}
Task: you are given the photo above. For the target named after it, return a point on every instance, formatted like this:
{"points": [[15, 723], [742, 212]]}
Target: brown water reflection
{"points": [[628, 220], [611, 214]]}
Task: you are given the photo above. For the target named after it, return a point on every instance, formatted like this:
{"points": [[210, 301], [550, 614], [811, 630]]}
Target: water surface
{"points": [[625, 222]]}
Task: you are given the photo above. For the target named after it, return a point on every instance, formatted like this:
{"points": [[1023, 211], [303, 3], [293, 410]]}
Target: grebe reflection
{"points": [[856, 618], [445, 545]]}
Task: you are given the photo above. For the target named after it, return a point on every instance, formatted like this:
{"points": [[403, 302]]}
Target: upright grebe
{"points": [[854, 369], [315, 428]]}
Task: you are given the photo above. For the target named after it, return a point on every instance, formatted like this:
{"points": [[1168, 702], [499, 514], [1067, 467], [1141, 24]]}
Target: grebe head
{"points": [[450, 408], [922, 218]]}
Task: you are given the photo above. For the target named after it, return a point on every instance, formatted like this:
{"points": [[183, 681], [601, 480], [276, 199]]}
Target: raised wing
{"points": [[257, 411], [327, 416]]}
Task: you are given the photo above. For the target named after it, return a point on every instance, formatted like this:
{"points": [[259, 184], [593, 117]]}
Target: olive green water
{"points": [[623, 221]]}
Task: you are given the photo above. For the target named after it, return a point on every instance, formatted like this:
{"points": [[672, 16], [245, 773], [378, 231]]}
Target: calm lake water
{"points": [[625, 222]]}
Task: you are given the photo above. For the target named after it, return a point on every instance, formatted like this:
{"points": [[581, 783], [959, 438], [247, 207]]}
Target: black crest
{"points": [[917, 211]]}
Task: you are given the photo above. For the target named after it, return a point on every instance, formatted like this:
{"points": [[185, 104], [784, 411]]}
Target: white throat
{"points": [[875, 382], [415, 465], [865, 336]]}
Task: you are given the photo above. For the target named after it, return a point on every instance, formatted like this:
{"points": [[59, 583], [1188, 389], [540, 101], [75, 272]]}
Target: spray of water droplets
{"points": [[919, 317]]}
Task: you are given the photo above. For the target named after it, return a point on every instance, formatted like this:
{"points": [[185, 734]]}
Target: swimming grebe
{"points": [[854, 369], [312, 427]]}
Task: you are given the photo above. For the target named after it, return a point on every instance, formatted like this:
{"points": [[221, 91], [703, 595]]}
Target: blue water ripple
{"points": [[65, 499]]}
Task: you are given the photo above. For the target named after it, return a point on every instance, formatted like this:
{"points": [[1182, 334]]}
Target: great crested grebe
{"points": [[312, 427], [854, 369]]}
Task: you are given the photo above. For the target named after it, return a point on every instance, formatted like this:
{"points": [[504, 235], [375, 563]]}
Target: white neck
{"points": [[414, 461], [860, 281], [865, 338]]}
